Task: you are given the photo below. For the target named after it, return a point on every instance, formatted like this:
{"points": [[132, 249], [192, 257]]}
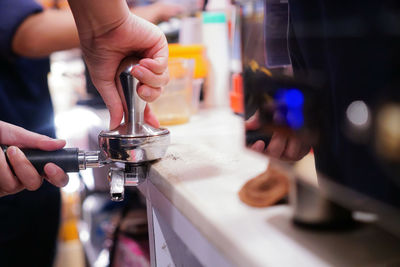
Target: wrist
{"points": [[97, 17]]}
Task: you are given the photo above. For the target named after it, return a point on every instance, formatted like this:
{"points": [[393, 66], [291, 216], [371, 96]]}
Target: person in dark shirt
{"points": [[29, 221]]}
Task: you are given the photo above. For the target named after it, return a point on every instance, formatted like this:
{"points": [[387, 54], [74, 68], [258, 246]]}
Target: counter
{"points": [[196, 218]]}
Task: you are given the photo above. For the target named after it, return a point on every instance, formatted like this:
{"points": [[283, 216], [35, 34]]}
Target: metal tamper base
{"points": [[120, 147], [134, 142]]}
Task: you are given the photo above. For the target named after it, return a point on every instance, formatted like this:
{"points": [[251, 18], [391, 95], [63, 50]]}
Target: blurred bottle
{"points": [[236, 94], [215, 38], [218, 5], [190, 30]]}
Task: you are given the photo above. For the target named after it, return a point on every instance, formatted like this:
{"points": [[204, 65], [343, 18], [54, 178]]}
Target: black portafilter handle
{"points": [[67, 158]]}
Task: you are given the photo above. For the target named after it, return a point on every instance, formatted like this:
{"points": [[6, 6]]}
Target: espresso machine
{"points": [[294, 70], [132, 146]]}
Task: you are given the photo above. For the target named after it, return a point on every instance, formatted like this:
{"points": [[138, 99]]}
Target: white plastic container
{"points": [[190, 31], [218, 5], [215, 38]]}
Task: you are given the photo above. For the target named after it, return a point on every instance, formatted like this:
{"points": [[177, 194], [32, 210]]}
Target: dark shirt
{"points": [[24, 93], [29, 220], [353, 46]]}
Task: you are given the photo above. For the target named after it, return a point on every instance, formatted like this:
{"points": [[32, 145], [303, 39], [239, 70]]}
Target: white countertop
{"points": [[205, 167]]}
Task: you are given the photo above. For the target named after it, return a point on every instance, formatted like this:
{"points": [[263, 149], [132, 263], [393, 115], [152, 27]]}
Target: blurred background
{"points": [[216, 48]]}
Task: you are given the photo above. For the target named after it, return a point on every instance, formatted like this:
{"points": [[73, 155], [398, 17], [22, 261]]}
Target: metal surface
{"points": [[312, 208], [90, 159], [131, 175], [134, 149], [134, 141], [116, 176]]}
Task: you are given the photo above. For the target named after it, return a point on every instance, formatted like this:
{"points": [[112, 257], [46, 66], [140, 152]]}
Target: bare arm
{"points": [[54, 30], [97, 17], [46, 32]]}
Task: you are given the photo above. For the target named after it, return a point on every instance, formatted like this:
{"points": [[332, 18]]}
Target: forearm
{"points": [[46, 32], [97, 17]]}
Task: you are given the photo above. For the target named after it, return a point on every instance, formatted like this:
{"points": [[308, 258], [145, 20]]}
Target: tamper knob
{"points": [[133, 105]]}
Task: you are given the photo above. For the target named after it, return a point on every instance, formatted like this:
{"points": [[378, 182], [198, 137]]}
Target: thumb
{"points": [[112, 99], [150, 117]]}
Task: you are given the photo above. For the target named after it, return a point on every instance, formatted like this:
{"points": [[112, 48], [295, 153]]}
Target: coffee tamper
{"points": [[132, 146], [134, 143]]}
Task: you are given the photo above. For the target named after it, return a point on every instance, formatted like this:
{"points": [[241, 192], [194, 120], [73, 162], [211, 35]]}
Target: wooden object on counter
{"points": [[266, 189]]}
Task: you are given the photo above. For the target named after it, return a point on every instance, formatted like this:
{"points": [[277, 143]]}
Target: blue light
{"points": [[294, 98], [295, 119], [290, 104], [280, 96]]}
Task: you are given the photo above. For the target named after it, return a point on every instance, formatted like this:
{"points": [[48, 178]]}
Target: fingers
{"points": [[55, 175], [50, 144], [113, 102], [147, 93], [149, 89], [292, 151], [8, 183], [23, 169], [150, 83], [157, 65], [17, 136], [287, 147], [277, 145], [258, 146], [252, 123], [150, 118], [26, 175], [148, 77]]}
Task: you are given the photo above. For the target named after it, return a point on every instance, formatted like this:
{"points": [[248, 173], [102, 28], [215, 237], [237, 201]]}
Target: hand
{"points": [[26, 176], [157, 12], [109, 32], [104, 53], [283, 145]]}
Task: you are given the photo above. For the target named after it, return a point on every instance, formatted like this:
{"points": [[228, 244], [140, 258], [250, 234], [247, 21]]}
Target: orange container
{"points": [[195, 52], [236, 95]]}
